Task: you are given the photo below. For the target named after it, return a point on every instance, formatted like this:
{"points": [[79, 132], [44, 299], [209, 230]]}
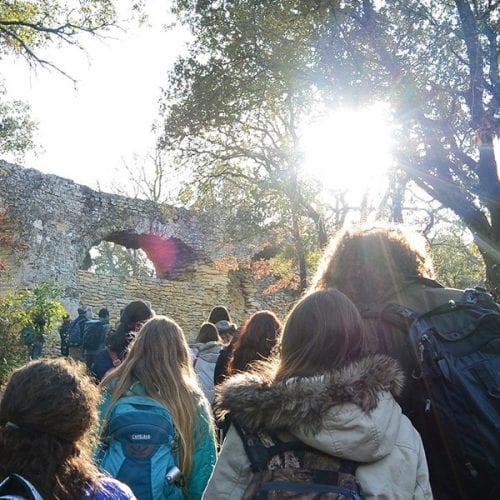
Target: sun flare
{"points": [[348, 149]]}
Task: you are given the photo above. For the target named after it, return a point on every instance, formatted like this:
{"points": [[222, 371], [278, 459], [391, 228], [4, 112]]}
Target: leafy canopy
{"points": [[435, 61]]}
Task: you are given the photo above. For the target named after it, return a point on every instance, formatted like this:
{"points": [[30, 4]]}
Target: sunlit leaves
{"points": [[113, 259], [16, 126], [27, 27]]}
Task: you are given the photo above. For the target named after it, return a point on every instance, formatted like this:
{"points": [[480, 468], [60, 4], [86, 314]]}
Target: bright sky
{"points": [[86, 132], [350, 148]]}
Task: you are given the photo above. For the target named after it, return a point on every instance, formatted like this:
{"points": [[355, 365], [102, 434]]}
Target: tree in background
{"points": [[435, 62], [16, 126], [456, 264], [19, 309], [111, 258], [26, 29], [232, 111]]}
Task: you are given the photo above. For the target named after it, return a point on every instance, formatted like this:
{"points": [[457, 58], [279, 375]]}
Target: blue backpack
{"points": [[139, 448]]}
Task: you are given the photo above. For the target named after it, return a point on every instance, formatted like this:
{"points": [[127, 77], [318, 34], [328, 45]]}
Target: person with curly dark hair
{"points": [[374, 266], [379, 265], [48, 417], [255, 341]]}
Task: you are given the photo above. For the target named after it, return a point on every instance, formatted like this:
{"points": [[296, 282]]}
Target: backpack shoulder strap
{"points": [[115, 359], [399, 316], [260, 451], [14, 485], [257, 452]]}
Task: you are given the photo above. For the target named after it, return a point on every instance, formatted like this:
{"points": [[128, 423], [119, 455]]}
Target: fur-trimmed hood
{"points": [[355, 401], [349, 413]]}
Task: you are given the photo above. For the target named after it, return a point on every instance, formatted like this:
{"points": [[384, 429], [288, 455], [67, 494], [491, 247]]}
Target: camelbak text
{"points": [[136, 437]]}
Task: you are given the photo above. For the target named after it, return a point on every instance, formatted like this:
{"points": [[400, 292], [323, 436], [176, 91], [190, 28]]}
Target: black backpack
{"points": [[455, 389], [292, 469], [94, 332], [16, 487], [76, 331]]}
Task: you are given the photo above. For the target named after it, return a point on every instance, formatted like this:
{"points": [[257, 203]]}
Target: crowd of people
{"points": [[319, 406]]}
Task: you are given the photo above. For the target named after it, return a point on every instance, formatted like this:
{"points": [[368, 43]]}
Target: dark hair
{"points": [[219, 313], [255, 342], [118, 341], [208, 333], [103, 313], [322, 332], [365, 263], [133, 315], [48, 413]]}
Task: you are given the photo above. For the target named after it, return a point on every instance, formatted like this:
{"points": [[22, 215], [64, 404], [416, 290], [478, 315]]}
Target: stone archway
{"points": [[58, 221], [169, 256]]}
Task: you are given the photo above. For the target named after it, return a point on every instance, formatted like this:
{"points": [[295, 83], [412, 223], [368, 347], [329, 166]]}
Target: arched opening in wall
{"points": [[126, 253], [115, 259]]}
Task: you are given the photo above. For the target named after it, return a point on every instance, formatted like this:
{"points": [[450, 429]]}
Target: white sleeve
{"points": [[232, 472]]}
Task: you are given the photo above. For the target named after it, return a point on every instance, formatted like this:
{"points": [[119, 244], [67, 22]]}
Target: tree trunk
{"points": [[490, 251]]}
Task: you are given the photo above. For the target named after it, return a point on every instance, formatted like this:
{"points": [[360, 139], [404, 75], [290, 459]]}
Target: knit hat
{"points": [[224, 326]]}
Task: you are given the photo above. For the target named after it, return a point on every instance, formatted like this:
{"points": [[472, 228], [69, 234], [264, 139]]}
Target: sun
{"points": [[349, 149]]}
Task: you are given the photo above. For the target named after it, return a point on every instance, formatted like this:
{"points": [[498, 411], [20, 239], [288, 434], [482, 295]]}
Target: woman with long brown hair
{"points": [[48, 417], [158, 367], [323, 396], [255, 341]]}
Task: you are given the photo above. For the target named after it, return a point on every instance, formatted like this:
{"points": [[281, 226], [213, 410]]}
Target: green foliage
{"points": [[41, 302], [20, 309], [457, 264], [26, 26], [117, 260], [232, 110], [16, 126], [13, 318], [435, 62]]}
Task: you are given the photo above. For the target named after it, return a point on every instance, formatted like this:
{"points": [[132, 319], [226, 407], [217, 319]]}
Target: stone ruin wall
{"points": [[187, 301], [54, 222]]}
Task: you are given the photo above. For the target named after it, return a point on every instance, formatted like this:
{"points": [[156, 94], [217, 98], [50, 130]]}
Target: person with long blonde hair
{"points": [[158, 366]]}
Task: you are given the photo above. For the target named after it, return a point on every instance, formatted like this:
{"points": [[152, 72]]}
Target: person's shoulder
{"points": [[111, 489], [439, 296], [422, 295]]}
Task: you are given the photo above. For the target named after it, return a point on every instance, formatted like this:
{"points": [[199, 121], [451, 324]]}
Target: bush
{"points": [[19, 309]]}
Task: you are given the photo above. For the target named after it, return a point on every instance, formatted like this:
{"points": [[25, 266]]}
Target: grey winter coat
{"points": [[204, 358]]}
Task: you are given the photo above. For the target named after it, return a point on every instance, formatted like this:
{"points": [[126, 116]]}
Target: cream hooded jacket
{"points": [[349, 413]]}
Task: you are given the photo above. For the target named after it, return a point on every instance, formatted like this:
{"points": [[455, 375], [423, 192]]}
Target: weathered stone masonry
{"points": [[58, 221]]}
